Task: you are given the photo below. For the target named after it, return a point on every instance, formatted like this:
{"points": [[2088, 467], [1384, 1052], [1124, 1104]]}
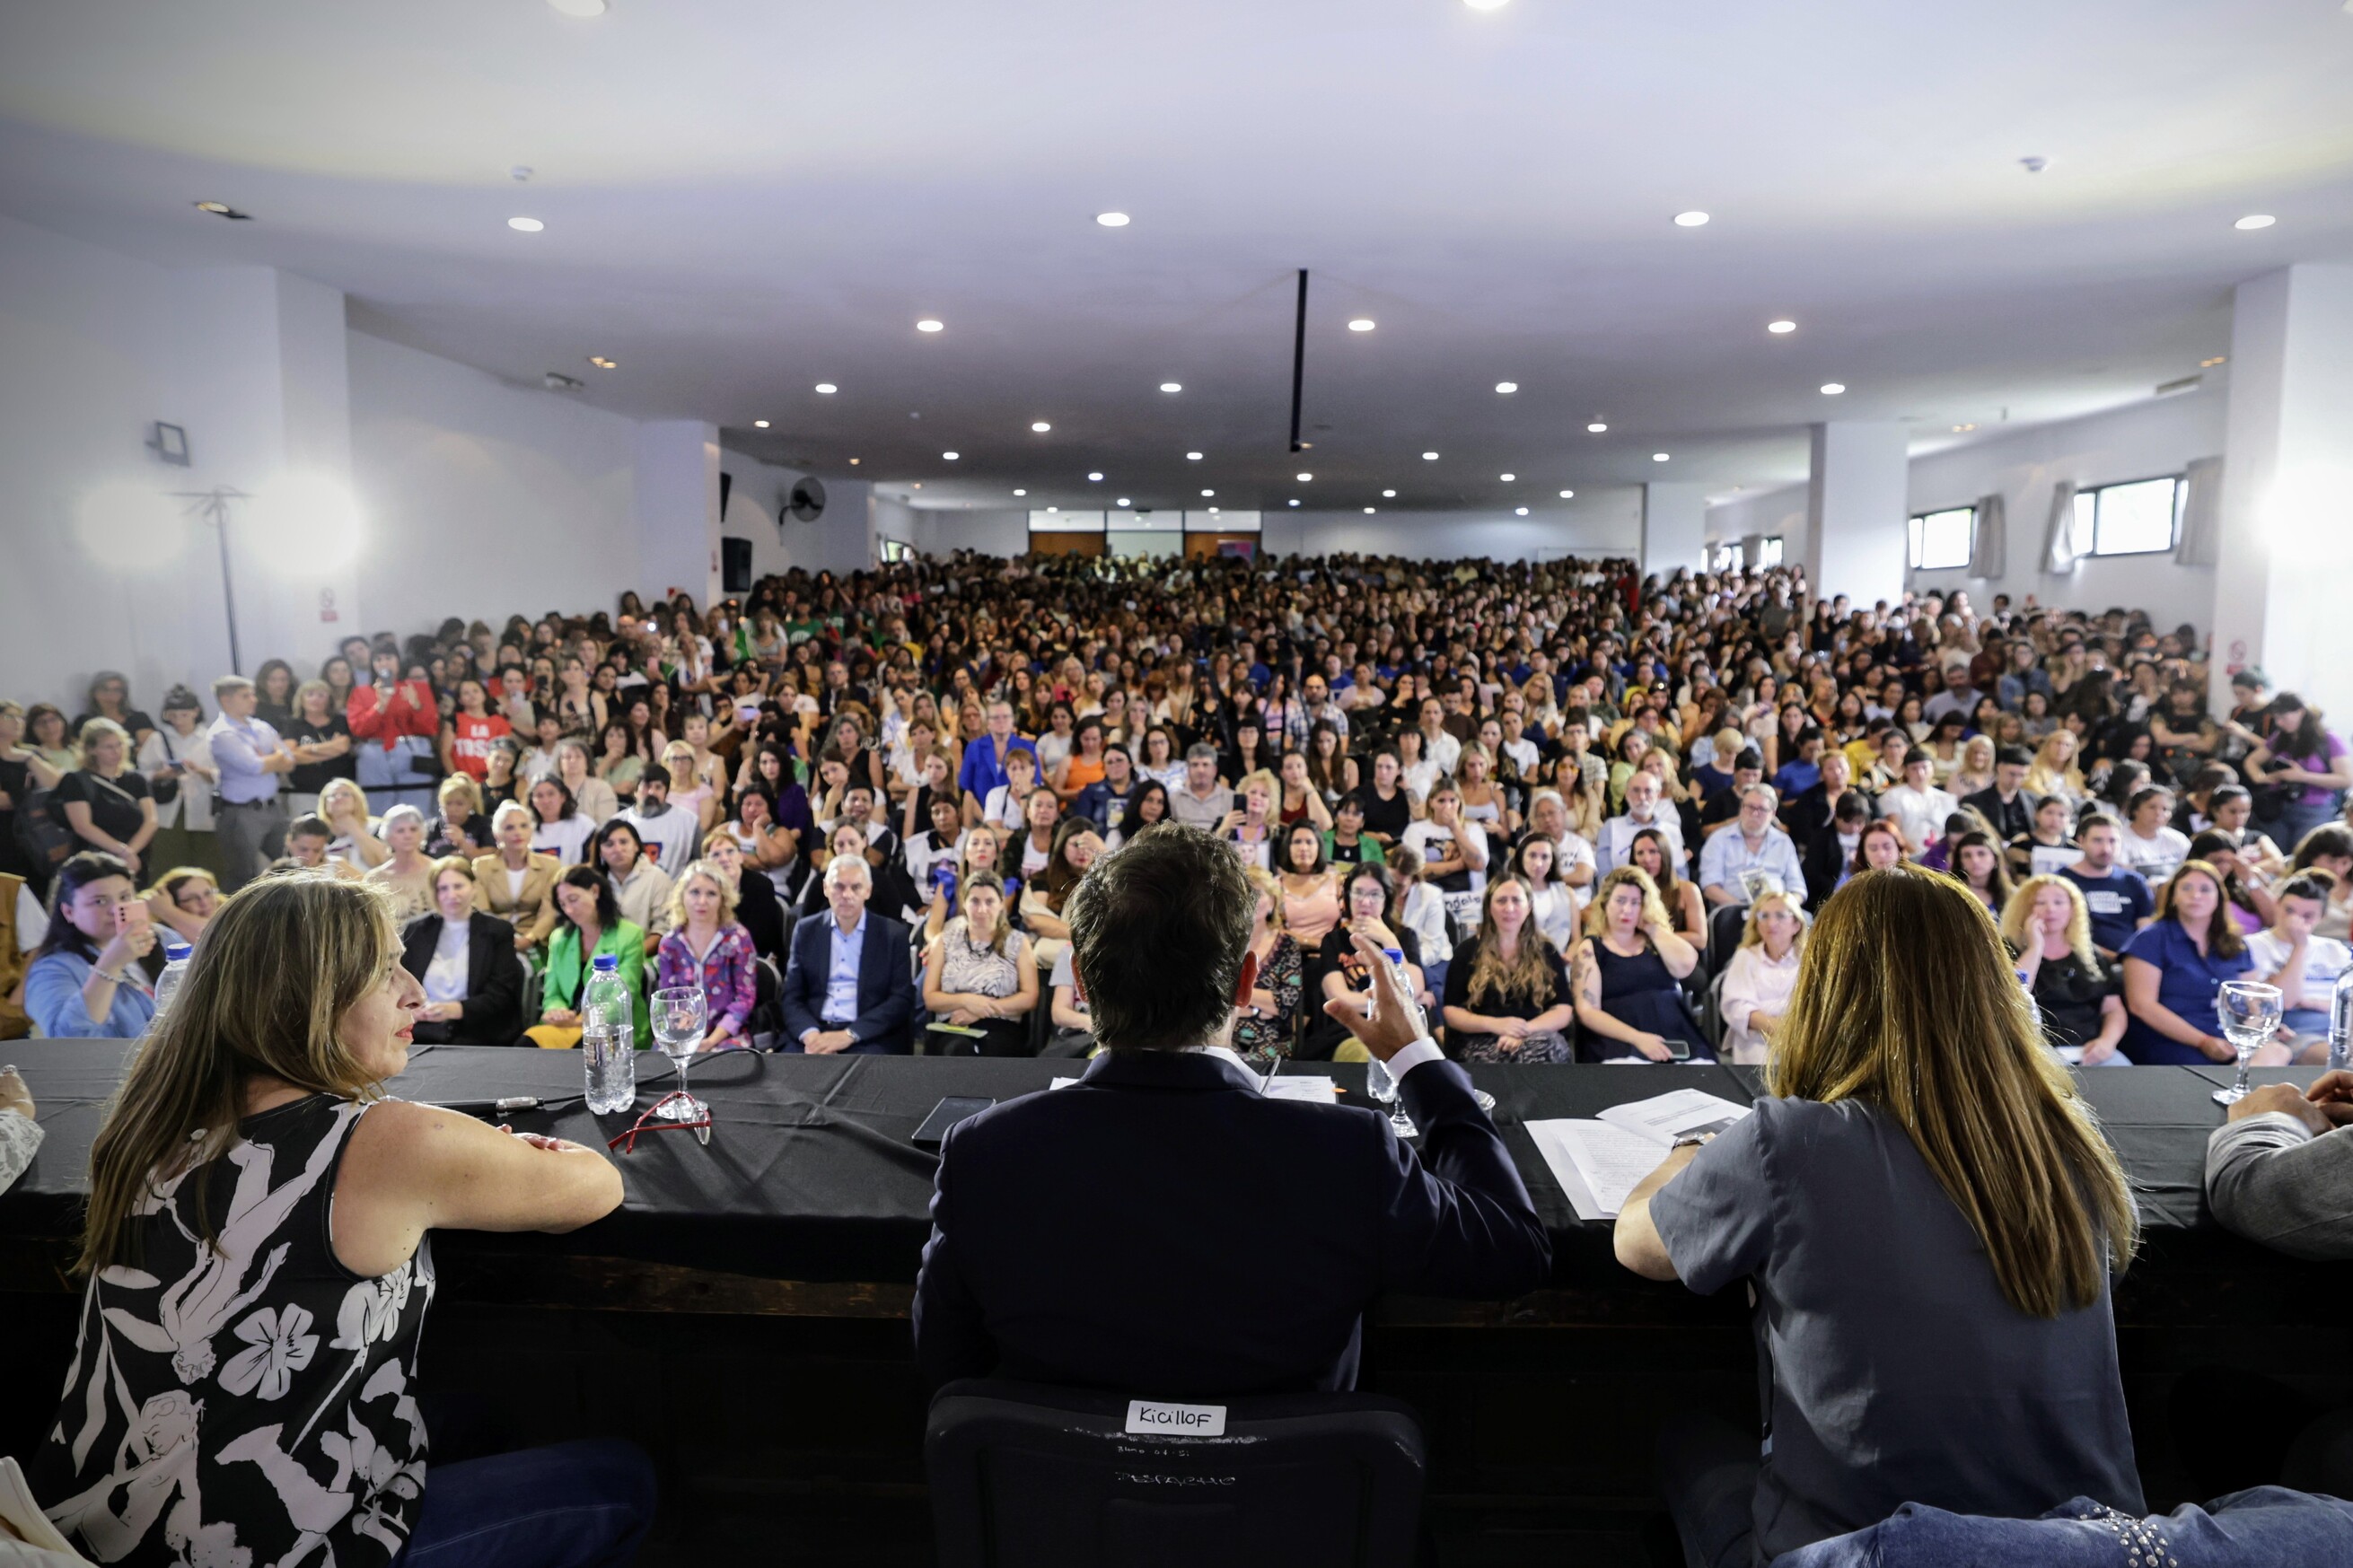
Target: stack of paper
{"points": [[1597, 1163]]}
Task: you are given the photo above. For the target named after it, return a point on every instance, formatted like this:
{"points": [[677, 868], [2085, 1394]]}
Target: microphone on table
{"points": [[500, 1107]]}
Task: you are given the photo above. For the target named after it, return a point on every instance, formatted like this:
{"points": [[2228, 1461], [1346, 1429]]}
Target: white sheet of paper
{"points": [[1595, 1165], [1686, 1113]]}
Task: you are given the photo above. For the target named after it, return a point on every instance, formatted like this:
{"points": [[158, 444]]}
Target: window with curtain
{"points": [[1768, 551], [1728, 556], [1939, 540], [2140, 518]]}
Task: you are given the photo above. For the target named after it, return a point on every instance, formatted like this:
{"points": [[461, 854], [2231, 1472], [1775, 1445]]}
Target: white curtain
{"points": [[2201, 514], [1989, 539], [2058, 539]]}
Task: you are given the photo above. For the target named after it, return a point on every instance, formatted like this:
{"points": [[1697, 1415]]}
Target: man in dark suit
{"points": [[2008, 806], [1163, 1228], [1827, 859], [1807, 814], [849, 985]]}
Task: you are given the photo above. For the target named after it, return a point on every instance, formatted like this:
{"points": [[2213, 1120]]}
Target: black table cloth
{"points": [[811, 1173]]}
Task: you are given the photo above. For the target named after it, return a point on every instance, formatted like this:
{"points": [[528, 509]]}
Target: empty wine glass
{"points": [[2251, 1014], [681, 1016]]}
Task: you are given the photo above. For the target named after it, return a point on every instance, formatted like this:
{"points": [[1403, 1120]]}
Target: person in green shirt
{"points": [[591, 925], [1346, 842]]}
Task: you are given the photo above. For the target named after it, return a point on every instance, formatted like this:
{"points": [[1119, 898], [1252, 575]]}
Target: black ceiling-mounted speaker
{"points": [[807, 503]]}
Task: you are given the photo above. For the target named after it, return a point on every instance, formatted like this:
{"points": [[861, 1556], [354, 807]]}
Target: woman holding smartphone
{"points": [[85, 980]]}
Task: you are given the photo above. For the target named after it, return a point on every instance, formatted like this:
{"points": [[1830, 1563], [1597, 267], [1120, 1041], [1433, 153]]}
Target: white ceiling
{"points": [[743, 198]]}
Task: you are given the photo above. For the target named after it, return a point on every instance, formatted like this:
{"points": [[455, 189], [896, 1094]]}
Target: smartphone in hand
{"points": [[132, 915]]}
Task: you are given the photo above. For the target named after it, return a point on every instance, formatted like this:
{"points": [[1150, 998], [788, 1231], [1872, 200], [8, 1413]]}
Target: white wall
{"points": [[941, 530], [1762, 515], [840, 540], [1596, 523], [2138, 442], [484, 498]]}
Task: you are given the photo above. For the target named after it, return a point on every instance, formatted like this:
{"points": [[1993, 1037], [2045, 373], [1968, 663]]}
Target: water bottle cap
{"points": [[1396, 955], [605, 961], [175, 951]]}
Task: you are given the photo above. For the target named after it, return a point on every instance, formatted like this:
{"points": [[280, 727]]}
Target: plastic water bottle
{"points": [[608, 1039], [2340, 1019], [167, 984]]}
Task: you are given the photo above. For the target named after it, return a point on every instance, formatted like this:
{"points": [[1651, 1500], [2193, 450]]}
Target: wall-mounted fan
{"points": [[807, 503]]}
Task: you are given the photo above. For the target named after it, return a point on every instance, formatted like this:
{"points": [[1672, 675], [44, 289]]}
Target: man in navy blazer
{"points": [[1161, 1227], [848, 984]]}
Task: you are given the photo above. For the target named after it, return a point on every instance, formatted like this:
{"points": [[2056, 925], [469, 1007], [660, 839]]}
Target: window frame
{"points": [[2173, 534], [1915, 538]]}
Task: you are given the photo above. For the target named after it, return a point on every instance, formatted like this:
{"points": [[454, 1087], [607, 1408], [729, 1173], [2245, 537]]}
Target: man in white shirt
{"points": [[1754, 843], [1641, 811], [1917, 806], [2301, 964], [673, 832]]}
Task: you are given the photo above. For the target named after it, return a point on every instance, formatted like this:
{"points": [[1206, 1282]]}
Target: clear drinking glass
{"points": [[680, 1017], [2251, 1014]]}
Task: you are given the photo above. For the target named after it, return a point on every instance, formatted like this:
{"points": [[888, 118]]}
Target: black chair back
{"points": [[1023, 1474], [1724, 927]]}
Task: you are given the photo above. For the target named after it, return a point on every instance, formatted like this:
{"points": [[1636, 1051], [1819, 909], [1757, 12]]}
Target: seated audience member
{"points": [[2304, 966], [2174, 970], [2007, 805], [1917, 806], [1372, 913], [514, 881], [1076, 844], [1202, 802], [1751, 844], [591, 926], [1506, 998], [310, 845], [344, 806], [184, 900], [1644, 809], [1453, 852], [266, 1079], [1347, 842], [465, 960], [2330, 848], [1975, 861], [1720, 808], [407, 876], [1625, 977], [667, 833], [107, 802], [86, 979], [2048, 846], [591, 797], [1679, 896], [1310, 885], [1830, 858], [1116, 1293], [1760, 978], [1809, 817], [1264, 1023], [640, 887], [1387, 806], [1250, 828], [2078, 995], [848, 987], [982, 851], [979, 976], [756, 907], [2250, 903], [1072, 1035], [461, 828], [1554, 903], [1573, 857], [2119, 900], [1105, 802], [559, 828], [1421, 909], [2146, 843], [1928, 1183], [706, 946]]}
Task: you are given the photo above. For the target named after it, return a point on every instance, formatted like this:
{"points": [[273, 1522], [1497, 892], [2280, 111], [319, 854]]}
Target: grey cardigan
{"points": [[2271, 1181]]}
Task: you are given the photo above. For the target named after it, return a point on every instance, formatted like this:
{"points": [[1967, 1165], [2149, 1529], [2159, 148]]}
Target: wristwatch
{"points": [[1690, 1140]]}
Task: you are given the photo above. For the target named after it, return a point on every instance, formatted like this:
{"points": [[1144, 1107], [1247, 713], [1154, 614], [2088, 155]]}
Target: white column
{"points": [[678, 508], [1674, 527], [1855, 502], [2283, 572]]}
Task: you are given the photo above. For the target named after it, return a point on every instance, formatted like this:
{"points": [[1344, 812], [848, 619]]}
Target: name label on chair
{"points": [[1145, 1418]]}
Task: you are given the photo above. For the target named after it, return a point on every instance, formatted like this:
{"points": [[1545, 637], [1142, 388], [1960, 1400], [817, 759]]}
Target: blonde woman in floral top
{"points": [[706, 946]]}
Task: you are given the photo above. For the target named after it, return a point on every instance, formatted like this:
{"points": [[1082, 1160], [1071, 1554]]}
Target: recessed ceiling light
{"points": [[1021, 493], [853, 462], [1507, 479], [1781, 326], [1658, 456], [1305, 478], [1208, 492], [759, 424], [1388, 495], [1519, 512], [1595, 427], [950, 457], [917, 485], [1111, 220], [1368, 512], [1486, 5], [1832, 388], [2210, 363], [1429, 456], [1039, 425], [1192, 456], [931, 324], [1213, 511], [525, 224], [1963, 429], [1294, 501], [579, 7], [1095, 479], [1507, 387], [1568, 495], [601, 362], [1361, 324], [827, 388], [2255, 220], [1123, 501], [222, 209], [1690, 220], [1053, 508], [1171, 387]]}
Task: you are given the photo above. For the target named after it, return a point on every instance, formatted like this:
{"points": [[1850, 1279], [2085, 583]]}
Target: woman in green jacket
{"points": [[591, 925]]}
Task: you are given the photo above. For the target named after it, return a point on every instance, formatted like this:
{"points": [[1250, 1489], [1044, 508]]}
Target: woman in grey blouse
{"points": [[1928, 1217]]}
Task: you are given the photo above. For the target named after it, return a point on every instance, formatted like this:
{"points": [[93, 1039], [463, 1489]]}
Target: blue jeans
{"points": [[585, 1504], [2297, 818]]}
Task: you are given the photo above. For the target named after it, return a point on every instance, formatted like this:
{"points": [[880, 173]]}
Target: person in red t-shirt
{"points": [[471, 731]]}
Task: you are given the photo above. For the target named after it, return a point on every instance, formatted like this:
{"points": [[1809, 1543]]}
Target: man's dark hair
{"points": [[654, 773], [2013, 757], [309, 825], [1157, 933]]}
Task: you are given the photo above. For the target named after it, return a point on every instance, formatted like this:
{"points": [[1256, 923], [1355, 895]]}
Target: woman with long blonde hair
{"points": [[1929, 1216], [2055, 770], [258, 1270], [1626, 973], [2080, 1000]]}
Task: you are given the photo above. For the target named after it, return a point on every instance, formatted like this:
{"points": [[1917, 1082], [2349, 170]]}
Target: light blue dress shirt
{"points": [[239, 746], [841, 969], [1725, 855]]}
